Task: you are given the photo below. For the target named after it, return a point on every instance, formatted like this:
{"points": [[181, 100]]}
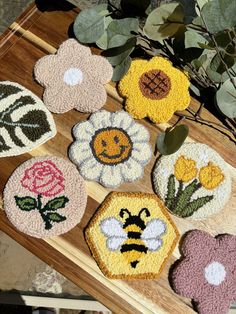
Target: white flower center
{"points": [[215, 273], [73, 76]]}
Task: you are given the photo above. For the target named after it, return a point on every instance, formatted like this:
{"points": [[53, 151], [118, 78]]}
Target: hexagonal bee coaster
{"points": [[131, 236]]}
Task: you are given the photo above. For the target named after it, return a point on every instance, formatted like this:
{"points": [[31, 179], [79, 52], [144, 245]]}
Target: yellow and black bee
{"points": [[133, 237]]}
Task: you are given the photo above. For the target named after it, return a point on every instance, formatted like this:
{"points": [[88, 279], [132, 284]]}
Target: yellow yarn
{"points": [[185, 169], [210, 176], [158, 110]]}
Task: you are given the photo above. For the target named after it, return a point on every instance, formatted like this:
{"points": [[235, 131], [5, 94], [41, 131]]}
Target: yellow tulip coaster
{"points": [[154, 89], [131, 236], [194, 182]]}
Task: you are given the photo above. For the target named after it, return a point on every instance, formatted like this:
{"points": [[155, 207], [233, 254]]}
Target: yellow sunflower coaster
{"points": [[131, 236], [154, 89], [194, 182]]}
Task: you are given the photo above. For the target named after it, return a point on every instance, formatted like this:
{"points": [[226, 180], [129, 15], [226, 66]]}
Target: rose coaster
{"points": [[45, 196], [73, 78], [110, 148], [206, 273], [194, 182], [25, 122], [131, 236], [154, 89]]}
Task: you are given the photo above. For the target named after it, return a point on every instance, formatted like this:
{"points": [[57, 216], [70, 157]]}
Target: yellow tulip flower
{"points": [[210, 176], [185, 169]]}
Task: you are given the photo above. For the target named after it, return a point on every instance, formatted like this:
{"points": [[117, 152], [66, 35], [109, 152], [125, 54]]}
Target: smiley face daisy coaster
{"points": [[206, 271], [110, 148], [73, 78], [154, 89], [131, 236], [25, 122], [45, 196], [194, 182]]}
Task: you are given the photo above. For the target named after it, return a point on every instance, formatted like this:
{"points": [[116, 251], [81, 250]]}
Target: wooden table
{"points": [[32, 36]]}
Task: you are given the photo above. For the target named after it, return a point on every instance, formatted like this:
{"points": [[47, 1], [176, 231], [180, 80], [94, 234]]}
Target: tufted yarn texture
{"points": [[154, 89], [25, 122], [110, 148], [73, 78], [206, 272], [45, 196], [131, 236], [194, 183]]}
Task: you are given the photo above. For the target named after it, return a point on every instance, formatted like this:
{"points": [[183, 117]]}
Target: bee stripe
{"points": [[134, 235], [135, 247]]}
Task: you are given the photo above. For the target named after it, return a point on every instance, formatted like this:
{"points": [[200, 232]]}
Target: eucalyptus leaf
{"points": [[135, 7], [89, 26], [121, 69], [102, 9], [201, 3], [226, 99], [164, 21], [116, 55], [217, 64], [215, 76], [122, 27], [102, 42], [169, 142], [193, 39], [219, 15], [188, 9]]}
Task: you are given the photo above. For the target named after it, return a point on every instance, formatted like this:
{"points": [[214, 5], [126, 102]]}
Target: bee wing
{"points": [[153, 244], [114, 243], [112, 227], [154, 229]]}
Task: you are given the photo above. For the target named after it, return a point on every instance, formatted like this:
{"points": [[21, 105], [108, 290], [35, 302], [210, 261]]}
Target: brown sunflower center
{"points": [[154, 84], [111, 146]]}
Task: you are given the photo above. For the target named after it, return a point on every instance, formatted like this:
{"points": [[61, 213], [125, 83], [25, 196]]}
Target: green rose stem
{"points": [[48, 224]]}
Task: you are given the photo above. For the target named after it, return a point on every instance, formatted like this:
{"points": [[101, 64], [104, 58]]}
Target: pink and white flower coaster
{"points": [[45, 196], [206, 272], [73, 78]]}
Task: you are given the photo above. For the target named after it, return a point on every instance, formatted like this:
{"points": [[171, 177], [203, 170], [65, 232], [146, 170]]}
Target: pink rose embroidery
{"points": [[44, 178]]}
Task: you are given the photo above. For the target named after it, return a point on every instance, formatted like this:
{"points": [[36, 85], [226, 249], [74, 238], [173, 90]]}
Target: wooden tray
{"points": [[32, 36]]}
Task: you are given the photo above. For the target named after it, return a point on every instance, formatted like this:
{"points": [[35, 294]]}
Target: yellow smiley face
{"points": [[111, 146]]}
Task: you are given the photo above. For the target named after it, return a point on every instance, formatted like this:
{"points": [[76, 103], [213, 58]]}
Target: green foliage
{"points": [[219, 15], [169, 142], [56, 203], [226, 99], [135, 7], [26, 203], [164, 22]]}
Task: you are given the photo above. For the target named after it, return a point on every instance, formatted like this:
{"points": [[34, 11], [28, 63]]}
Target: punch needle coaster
{"points": [[206, 272], [45, 196], [25, 122], [73, 78], [154, 89], [110, 148], [194, 182], [131, 236]]}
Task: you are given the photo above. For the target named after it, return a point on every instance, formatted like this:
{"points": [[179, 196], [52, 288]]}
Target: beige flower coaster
{"points": [[131, 236], [73, 78], [25, 122], [194, 182], [45, 196]]}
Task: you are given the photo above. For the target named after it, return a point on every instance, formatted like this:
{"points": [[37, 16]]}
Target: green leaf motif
{"points": [[195, 205], [26, 203], [55, 217], [219, 15], [168, 143], [56, 203], [89, 26], [226, 99], [165, 21], [7, 90], [184, 197], [170, 192]]}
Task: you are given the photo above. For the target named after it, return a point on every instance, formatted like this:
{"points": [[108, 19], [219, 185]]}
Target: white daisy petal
{"points": [[83, 131], [100, 119], [78, 152], [121, 119], [111, 177], [138, 133], [131, 170], [91, 169], [142, 152]]}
